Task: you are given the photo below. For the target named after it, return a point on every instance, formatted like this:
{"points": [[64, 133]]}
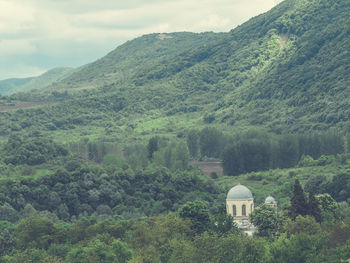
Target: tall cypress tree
{"points": [[314, 208], [153, 146], [298, 201]]}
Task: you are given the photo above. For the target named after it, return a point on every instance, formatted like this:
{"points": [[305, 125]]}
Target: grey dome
{"points": [[269, 199], [239, 192]]}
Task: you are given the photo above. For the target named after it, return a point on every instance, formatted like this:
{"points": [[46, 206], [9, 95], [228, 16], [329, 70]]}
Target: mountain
{"points": [[286, 71], [143, 52], [11, 86], [7, 85], [46, 79]]}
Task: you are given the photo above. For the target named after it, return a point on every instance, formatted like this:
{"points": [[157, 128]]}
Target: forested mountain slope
{"points": [[7, 85], [286, 70], [11, 86], [48, 78], [306, 85], [102, 171], [144, 52]]}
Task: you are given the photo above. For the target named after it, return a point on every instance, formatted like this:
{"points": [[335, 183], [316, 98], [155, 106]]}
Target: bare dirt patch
{"points": [[209, 167], [164, 36], [283, 41]]}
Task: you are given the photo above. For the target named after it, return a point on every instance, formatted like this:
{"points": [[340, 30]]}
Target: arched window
{"points": [[234, 210], [244, 210]]}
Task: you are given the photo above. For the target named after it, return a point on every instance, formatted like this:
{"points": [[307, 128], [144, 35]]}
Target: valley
{"points": [[130, 158]]}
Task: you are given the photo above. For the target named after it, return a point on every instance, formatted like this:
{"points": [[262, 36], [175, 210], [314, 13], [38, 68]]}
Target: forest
{"points": [[100, 163], [151, 205]]}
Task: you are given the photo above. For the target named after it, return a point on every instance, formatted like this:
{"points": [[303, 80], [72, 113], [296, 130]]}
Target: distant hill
{"points": [[286, 70], [46, 79], [8, 85], [11, 86]]}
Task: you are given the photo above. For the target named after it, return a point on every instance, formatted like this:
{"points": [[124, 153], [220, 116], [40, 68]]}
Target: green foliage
{"points": [[211, 142], [105, 191], [284, 71], [99, 251], [314, 207], [11, 86], [222, 222], [152, 146], [299, 204], [258, 151], [136, 155], [7, 242], [173, 156], [31, 151], [169, 238], [28, 255], [307, 225], [265, 73], [266, 219], [328, 206], [8, 85], [246, 156], [36, 232], [8, 213], [198, 213], [340, 187], [193, 143], [298, 248]]}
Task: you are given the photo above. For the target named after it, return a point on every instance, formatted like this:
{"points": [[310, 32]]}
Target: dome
{"points": [[269, 199], [239, 192]]}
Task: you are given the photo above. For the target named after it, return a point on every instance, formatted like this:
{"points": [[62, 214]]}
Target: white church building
{"points": [[240, 204]]}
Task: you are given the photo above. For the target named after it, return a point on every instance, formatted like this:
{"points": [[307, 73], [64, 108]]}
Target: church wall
{"points": [[239, 203]]}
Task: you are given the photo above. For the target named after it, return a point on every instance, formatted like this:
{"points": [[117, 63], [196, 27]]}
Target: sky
{"points": [[37, 35]]}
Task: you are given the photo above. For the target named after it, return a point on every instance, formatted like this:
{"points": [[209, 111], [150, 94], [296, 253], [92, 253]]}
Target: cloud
{"points": [[87, 29], [16, 47]]}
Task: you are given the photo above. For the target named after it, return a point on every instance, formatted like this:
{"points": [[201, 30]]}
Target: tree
{"points": [[231, 161], [181, 156], [223, 222], [266, 219], [37, 232], [340, 187], [153, 145], [193, 143], [8, 213], [211, 142], [28, 255], [198, 214], [314, 207], [328, 205], [301, 247], [7, 242], [174, 156], [95, 251], [288, 151], [301, 224], [298, 201]]}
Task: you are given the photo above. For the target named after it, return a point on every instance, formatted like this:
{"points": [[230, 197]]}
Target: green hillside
{"points": [[8, 85], [121, 64], [46, 79], [285, 71], [130, 158], [12, 86]]}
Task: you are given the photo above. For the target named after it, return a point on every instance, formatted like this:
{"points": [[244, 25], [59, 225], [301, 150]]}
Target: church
{"points": [[240, 204]]}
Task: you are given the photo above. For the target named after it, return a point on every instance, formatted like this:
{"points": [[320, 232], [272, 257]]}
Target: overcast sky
{"points": [[37, 35]]}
